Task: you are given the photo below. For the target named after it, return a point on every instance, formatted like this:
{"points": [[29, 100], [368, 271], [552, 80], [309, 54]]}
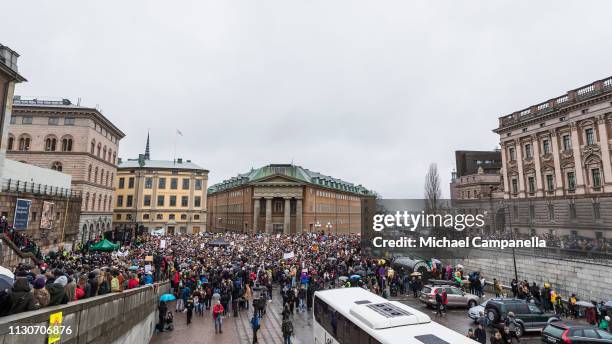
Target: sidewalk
{"points": [[238, 330]]}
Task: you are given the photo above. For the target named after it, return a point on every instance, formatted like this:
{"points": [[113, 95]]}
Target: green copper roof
{"points": [[293, 171]]}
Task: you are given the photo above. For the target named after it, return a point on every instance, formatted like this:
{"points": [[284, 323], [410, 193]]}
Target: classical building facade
{"points": [[160, 194], [557, 170], [477, 175], [73, 139], [283, 198]]}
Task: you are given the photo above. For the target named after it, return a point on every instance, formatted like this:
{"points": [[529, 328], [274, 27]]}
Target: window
{"points": [[571, 181], [57, 166], [162, 183], [13, 120], [120, 201], [185, 183], [551, 212], [50, 143], [131, 183], [129, 201], [69, 121], [11, 142], [145, 216], [572, 211], [93, 147], [596, 211], [183, 216], [514, 186], [118, 216], [528, 153], [549, 183], [590, 136], [24, 143], [531, 184], [173, 201], [173, 183], [184, 201], [160, 201], [121, 183], [196, 216], [53, 120], [546, 146], [567, 143], [171, 216], [512, 153], [26, 120], [197, 201], [198, 184], [147, 200], [99, 149], [160, 216], [67, 144], [128, 216], [148, 183], [596, 178]]}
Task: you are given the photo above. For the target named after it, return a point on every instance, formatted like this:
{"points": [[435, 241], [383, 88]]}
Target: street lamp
{"points": [[329, 227], [506, 207], [316, 226]]}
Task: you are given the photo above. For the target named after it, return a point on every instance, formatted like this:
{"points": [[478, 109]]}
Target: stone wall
{"points": [[11, 257], [589, 279], [127, 317]]}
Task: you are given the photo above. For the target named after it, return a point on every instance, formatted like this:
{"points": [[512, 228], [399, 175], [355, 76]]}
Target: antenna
{"points": [[79, 101]]}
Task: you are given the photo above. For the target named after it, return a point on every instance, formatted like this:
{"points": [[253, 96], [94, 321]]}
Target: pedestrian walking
{"points": [[218, 316], [190, 306], [287, 329], [255, 325]]}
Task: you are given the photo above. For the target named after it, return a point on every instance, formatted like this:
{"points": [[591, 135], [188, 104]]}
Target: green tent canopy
{"points": [[104, 245]]}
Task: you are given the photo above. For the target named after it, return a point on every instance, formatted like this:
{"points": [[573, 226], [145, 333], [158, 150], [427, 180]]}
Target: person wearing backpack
{"points": [[439, 303], [287, 329], [255, 326], [115, 286]]}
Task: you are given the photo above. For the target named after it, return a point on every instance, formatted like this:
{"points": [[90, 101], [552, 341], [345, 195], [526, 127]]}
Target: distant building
{"points": [[152, 194], [74, 139], [285, 198], [477, 175], [557, 170]]}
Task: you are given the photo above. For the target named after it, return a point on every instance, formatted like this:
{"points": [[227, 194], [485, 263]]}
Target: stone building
{"points": [[284, 198], [557, 172], [156, 194], [476, 175], [76, 140]]}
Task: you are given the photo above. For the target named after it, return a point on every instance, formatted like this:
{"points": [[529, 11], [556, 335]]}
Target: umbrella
{"points": [[416, 273], [167, 297], [6, 278], [133, 267], [355, 277], [343, 278], [218, 242], [584, 304]]}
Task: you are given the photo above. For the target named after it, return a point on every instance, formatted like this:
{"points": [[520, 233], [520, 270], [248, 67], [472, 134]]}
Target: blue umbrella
{"points": [[355, 277], [167, 297], [133, 267]]}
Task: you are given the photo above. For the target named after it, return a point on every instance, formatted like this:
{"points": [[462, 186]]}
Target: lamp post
{"points": [[329, 227], [506, 207], [316, 226]]}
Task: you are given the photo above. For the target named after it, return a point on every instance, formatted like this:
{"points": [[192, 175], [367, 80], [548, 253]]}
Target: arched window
{"points": [[110, 157], [104, 153], [96, 176], [50, 143], [11, 142], [87, 201], [99, 201], [112, 179], [67, 144], [104, 203], [101, 176], [93, 146], [57, 166], [114, 157], [24, 142], [89, 174], [99, 149], [106, 180], [93, 202]]}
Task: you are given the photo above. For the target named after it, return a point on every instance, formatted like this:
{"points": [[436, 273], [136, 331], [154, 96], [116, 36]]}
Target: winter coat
{"points": [[70, 291], [42, 296], [79, 293], [57, 294], [21, 297]]}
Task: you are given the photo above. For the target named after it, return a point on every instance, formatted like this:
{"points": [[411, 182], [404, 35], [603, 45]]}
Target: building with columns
{"points": [[556, 167], [154, 194], [74, 139], [285, 198]]}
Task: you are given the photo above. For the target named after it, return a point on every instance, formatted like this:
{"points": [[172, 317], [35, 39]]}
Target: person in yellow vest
{"points": [[553, 300], [572, 304]]}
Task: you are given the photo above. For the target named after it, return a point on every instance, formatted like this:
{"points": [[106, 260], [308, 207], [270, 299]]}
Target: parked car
{"points": [[528, 315], [456, 296], [474, 312], [560, 333]]}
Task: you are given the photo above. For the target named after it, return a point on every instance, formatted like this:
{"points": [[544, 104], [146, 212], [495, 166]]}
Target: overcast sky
{"points": [[368, 91]]}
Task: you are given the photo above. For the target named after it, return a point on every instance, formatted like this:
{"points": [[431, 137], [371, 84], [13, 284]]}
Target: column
{"points": [[268, 215], [519, 165], [504, 171], [298, 216], [577, 160], [287, 222], [605, 153], [557, 163], [256, 210], [535, 142]]}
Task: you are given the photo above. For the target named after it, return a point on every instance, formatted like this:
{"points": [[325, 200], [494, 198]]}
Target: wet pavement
{"points": [[238, 330]]}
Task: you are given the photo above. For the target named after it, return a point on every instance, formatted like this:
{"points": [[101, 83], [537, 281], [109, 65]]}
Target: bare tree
{"points": [[432, 188]]}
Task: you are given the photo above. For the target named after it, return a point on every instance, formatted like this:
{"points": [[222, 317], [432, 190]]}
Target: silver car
{"points": [[474, 312], [456, 296]]}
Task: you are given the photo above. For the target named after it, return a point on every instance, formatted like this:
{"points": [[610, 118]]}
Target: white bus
{"points": [[356, 316]]}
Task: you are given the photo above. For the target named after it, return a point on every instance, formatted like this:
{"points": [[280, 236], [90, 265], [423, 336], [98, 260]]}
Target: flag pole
{"points": [[175, 138]]}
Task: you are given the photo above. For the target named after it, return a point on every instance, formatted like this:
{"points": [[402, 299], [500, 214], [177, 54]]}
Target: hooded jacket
{"points": [[57, 294], [21, 297]]}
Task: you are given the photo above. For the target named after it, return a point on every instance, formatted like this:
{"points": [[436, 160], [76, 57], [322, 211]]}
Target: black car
{"points": [[558, 332], [528, 315]]}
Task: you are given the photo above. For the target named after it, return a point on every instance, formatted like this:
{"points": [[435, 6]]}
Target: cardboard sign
{"points": [[288, 255], [148, 258], [147, 268], [162, 243]]}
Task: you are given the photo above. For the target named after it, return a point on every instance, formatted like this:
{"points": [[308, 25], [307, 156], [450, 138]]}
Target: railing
{"points": [[23, 255], [12, 185]]}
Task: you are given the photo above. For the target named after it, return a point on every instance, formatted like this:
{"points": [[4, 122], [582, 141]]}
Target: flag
{"points": [[179, 132]]}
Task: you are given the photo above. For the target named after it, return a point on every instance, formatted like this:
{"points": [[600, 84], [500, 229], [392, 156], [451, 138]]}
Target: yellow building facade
{"points": [[155, 194]]}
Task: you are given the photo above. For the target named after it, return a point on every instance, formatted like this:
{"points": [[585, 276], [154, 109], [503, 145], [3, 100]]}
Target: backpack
{"points": [[115, 284], [287, 328]]}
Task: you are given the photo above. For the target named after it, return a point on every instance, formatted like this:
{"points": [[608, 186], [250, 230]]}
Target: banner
{"points": [[47, 217], [162, 243], [22, 214], [288, 255]]}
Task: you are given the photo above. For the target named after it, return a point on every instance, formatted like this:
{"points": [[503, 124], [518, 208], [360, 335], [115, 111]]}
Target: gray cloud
{"points": [[370, 92]]}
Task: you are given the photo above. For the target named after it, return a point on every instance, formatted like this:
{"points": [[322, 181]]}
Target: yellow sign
{"points": [[55, 323]]}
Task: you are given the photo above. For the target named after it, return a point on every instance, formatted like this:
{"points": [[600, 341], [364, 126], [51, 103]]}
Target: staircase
{"points": [[11, 255]]}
